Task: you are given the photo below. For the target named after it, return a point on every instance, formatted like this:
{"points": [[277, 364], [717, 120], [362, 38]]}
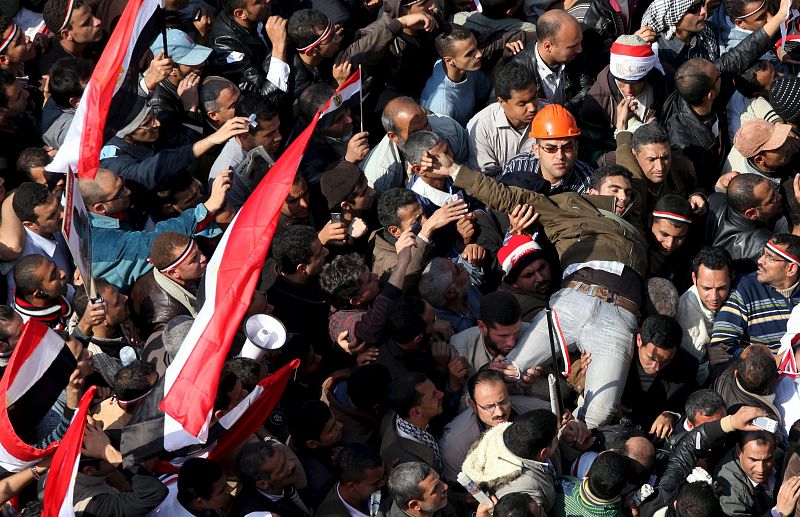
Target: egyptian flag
{"points": [[561, 344], [60, 485], [40, 355], [788, 365], [112, 90], [191, 380], [344, 94]]}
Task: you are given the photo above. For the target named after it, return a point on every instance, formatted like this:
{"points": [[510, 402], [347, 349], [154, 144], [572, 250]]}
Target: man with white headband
{"points": [[670, 221], [758, 310], [738, 19], [75, 30], [634, 72], [317, 41], [15, 47]]}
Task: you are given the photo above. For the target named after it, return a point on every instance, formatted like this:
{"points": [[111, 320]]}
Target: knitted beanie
{"points": [[784, 96]]}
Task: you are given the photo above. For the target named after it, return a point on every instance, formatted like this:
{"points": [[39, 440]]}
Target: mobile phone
{"points": [[766, 424], [416, 227], [473, 488], [198, 14], [251, 121], [99, 300], [336, 217]]}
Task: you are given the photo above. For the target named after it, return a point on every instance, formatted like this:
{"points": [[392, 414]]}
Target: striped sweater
{"points": [[754, 313]]}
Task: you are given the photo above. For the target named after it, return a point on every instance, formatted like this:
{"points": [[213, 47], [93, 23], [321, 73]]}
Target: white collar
{"points": [[352, 511], [436, 196], [544, 69], [45, 244]]}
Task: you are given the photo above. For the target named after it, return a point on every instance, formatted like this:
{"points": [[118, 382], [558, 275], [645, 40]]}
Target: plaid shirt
{"points": [[573, 499]]}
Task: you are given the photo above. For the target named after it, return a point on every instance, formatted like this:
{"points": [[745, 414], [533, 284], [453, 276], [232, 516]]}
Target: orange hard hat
{"points": [[554, 121]]}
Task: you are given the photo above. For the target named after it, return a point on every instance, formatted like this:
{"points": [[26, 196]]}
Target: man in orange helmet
{"points": [[550, 167]]}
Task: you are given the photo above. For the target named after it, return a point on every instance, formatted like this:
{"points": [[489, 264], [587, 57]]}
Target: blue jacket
{"points": [[120, 253], [142, 164]]}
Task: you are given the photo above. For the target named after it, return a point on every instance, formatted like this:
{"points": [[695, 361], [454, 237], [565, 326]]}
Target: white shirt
{"points": [[170, 507], [352, 511], [54, 249], [552, 80]]}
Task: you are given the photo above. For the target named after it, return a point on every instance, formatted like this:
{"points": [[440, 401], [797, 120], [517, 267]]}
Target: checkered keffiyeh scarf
{"points": [[663, 15], [423, 437]]}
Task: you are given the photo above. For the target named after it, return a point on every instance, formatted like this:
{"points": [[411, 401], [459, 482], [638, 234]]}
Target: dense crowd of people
{"points": [[545, 263]]}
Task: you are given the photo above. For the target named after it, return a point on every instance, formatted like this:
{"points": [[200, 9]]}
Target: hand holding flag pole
{"points": [[361, 100]]}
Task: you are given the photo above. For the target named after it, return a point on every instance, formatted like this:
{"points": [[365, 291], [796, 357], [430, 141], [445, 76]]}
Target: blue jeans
{"points": [[589, 324]]}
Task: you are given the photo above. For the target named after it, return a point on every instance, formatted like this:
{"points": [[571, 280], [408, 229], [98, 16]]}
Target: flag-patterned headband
{"points": [[327, 32], [672, 216], [782, 253], [751, 13], [67, 15], [10, 37], [182, 258]]}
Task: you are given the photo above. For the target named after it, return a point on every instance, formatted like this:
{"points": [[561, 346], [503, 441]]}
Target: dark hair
{"points": [[264, 107], [231, 5], [55, 11], [227, 381], [741, 192], [391, 202], [307, 421], [5, 23], [403, 394], [25, 277], [675, 204], [30, 158], [247, 370], [133, 380], [354, 460], [663, 331], [27, 197], [496, 9], [304, 27], [648, 134], [404, 321], [481, 376], [293, 247], [251, 459], [196, 479], [761, 437], [756, 369], [715, 258], [341, 279], [167, 247], [692, 81], [608, 171], [66, 75], [368, 386], [530, 433], [7, 78], [312, 99], [736, 8], [81, 299], [445, 41], [608, 475], [697, 499], [513, 76], [7, 316], [515, 504], [500, 308], [706, 402], [792, 242], [747, 81]]}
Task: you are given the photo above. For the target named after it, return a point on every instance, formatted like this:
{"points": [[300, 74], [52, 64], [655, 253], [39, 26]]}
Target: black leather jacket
{"points": [[250, 72], [742, 238]]}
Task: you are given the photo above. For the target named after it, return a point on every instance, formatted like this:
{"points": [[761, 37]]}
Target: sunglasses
{"points": [[553, 149]]}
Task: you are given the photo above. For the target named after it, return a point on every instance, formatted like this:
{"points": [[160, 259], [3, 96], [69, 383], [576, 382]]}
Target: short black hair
{"points": [[391, 202], [354, 460], [313, 98], [736, 8], [133, 380], [608, 475], [304, 27], [264, 107], [27, 197], [530, 433], [741, 191], [674, 204], [790, 241], [231, 5], [403, 393], [55, 11], [247, 370], [196, 479], [307, 421], [341, 279], [715, 258], [30, 158], [368, 386], [496, 9], [500, 308], [445, 41], [663, 331], [756, 370], [292, 247], [513, 76], [747, 82], [692, 81], [227, 381], [608, 171], [7, 78], [66, 76], [25, 277], [81, 299], [648, 134], [697, 499], [5, 23], [481, 376], [706, 402], [515, 504], [404, 321]]}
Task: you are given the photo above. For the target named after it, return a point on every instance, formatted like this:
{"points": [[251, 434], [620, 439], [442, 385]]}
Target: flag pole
{"points": [[361, 98], [549, 314], [164, 33]]}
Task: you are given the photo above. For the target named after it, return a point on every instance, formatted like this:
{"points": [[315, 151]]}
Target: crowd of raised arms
{"points": [[545, 263]]}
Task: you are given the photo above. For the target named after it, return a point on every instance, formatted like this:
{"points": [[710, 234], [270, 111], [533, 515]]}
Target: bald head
{"points": [[695, 79], [558, 37], [93, 191], [403, 116], [552, 22]]}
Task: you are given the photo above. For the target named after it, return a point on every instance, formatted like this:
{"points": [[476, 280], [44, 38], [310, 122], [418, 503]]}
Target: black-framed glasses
{"points": [[489, 408]]}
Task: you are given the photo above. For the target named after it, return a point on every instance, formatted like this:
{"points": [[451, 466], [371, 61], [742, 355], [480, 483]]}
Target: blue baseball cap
{"points": [[181, 48]]}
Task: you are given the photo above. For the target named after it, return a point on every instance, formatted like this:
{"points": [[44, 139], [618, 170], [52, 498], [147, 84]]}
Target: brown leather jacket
{"points": [[152, 306]]}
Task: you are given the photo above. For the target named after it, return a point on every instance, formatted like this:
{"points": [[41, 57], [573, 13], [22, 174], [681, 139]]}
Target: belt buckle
{"points": [[603, 293]]}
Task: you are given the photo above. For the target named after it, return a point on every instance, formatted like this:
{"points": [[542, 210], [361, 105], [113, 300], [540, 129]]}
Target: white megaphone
{"points": [[263, 333]]}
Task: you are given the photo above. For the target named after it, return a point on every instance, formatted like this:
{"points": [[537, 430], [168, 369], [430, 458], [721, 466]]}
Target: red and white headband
{"points": [[10, 38], [182, 258], [751, 13], [327, 32], [782, 253], [672, 216], [67, 15], [632, 62], [125, 403]]}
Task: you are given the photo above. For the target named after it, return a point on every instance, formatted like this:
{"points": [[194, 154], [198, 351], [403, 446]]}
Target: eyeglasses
{"points": [[772, 258], [553, 149], [695, 8], [121, 194], [504, 404]]}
